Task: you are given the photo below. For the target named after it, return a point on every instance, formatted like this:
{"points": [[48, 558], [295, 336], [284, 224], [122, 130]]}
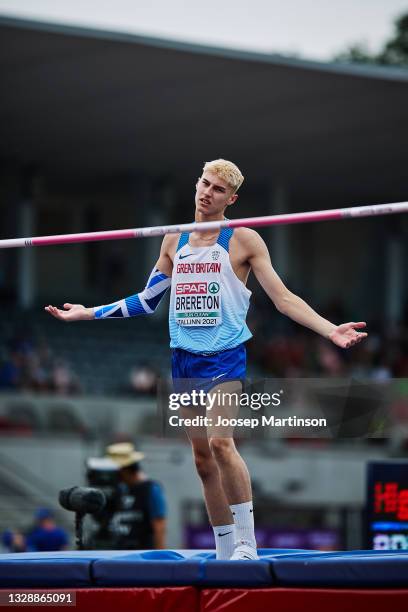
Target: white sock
{"points": [[244, 522], [224, 540]]}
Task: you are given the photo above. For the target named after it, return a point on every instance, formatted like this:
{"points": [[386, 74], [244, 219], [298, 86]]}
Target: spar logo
{"points": [[191, 288], [213, 287]]}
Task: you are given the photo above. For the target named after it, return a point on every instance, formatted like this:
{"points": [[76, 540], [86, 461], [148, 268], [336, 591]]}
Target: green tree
{"points": [[394, 53]]}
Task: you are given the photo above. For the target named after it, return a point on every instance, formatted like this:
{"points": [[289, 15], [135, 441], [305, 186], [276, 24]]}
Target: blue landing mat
{"points": [[276, 567], [353, 569]]}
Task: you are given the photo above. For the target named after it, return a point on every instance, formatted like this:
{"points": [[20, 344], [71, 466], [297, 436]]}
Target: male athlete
{"points": [[208, 335]]}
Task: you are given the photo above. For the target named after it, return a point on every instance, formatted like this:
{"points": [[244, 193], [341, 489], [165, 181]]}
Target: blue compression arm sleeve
{"points": [[141, 303]]}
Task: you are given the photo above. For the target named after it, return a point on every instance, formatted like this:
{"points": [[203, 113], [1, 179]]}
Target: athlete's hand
{"points": [[345, 335], [71, 312]]}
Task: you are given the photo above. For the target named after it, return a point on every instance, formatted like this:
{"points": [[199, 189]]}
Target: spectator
{"points": [[64, 381], [143, 380], [13, 541], [11, 371], [46, 535]]}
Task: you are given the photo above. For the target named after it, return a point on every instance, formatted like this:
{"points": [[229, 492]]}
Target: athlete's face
{"points": [[213, 194]]}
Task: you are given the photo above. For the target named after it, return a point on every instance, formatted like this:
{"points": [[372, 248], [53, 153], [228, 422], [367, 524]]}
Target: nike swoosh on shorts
{"points": [[219, 376]]}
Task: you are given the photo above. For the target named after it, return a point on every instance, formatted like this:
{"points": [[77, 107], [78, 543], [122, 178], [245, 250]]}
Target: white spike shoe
{"points": [[244, 551]]}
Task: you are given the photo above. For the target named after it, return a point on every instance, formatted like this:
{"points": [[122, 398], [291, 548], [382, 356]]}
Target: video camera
{"points": [[103, 474]]}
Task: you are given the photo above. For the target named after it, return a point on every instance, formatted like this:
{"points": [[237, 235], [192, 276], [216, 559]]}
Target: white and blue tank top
{"points": [[208, 302]]}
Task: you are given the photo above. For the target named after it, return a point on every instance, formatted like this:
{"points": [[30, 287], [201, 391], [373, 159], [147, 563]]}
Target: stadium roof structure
{"points": [[86, 104]]}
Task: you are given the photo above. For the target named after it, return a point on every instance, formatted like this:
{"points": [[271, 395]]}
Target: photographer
{"points": [[139, 519]]}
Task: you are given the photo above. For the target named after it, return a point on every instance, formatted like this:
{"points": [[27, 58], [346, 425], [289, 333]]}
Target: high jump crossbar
{"points": [[161, 230]]}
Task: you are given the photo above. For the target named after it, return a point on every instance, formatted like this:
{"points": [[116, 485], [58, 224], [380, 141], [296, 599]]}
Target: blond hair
{"points": [[227, 171]]}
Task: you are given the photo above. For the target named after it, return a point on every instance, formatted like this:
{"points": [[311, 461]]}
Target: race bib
{"points": [[198, 302]]}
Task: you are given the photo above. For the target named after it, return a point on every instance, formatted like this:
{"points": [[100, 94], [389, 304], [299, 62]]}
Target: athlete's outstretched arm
{"points": [[293, 306], [138, 304]]}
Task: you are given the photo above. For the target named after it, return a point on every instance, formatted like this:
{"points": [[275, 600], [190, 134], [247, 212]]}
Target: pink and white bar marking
{"points": [[161, 230]]}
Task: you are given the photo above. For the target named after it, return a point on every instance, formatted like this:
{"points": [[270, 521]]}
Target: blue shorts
{"points": [[207, 371]]}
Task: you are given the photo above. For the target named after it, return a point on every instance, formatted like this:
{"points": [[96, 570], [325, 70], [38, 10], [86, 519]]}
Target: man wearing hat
{"points": [[139, 521]]}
